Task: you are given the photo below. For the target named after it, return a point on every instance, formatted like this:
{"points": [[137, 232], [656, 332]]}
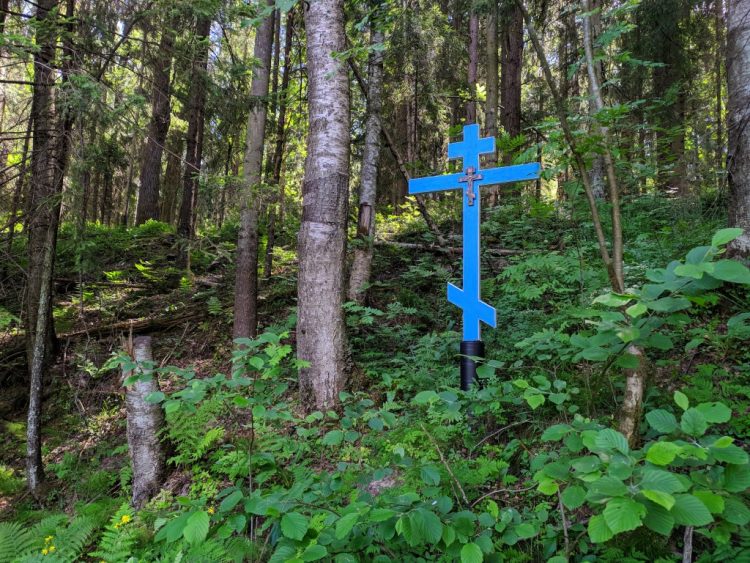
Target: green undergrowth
{"points": [[527, 466]]}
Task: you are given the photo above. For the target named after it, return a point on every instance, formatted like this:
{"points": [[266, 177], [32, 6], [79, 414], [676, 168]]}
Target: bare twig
{"points": [[564, 521], [495, 433], [497, 492]]}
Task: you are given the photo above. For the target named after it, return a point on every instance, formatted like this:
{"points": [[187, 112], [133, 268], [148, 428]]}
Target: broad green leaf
{"points": [[681, 399], [427, 524], [196, 527], [333, 438], [662, 453], [693, 423], [598, 530], [430, 475], [573, 497], [382, 514], [662, 421], [737, 478], [658, 519], [534, 399], [660, 480], [155, 397], [688, 510], [425, 397], [547, 487], [662, 499], [736, 511], [294, 525], [730, 454], [725, 236], [449, 535], [669, 304], [471, 553], [731, 271], [609, 439], [699, 254], [314, 552], [609, 487], [694, 271], [628, 334], [715, 413], [660, 341], [713, 502], [594, 354], [556, 433], [525, 530], [345, 524], [623, 514], [636, 310], [230, 501]]}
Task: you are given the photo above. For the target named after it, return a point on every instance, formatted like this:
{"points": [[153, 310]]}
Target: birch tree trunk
{"points": [[144, 422], [246, 278], [362, 264], [321, 336], [738, 126], [156, 135]]}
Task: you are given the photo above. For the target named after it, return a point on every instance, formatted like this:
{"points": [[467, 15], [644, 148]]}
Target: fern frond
{"points": [[117, 541], [15, 541]]}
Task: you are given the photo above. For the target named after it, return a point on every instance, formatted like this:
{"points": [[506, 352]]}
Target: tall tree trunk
{"points": [[321, 331], [720, 53], [510, 72], [738, 121], [172, 176], [493, 94], [148, 191], [145, 422], [246, 277], [362, 264], [280, 139], [471, 105], [193, 146]]}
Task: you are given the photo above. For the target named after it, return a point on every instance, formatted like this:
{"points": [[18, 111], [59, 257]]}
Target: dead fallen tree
{"points": [[13, 349]]}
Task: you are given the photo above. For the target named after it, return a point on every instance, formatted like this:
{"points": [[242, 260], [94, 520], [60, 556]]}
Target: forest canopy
{"points": [[224, 327]]}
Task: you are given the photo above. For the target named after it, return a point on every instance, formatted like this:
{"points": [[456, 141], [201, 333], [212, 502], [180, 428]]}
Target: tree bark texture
{"points": [[321, 336], [193, 145], [145, 422], [738, 121], [490, 112], [471, 105], [172, 176], [510, 72], [246, 277], [280, 139], [156, 136], [362, 264]]}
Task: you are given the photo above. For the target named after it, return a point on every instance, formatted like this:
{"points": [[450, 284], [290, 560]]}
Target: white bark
{"points": [[145, 421], [321, 337], [362, 264], [738, 112]]}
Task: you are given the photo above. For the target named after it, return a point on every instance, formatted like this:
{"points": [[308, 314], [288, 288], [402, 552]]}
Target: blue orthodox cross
{"points": [[475, 311]]}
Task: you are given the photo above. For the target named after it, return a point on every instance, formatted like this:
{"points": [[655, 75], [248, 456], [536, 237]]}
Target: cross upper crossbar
{"points": [[475, 311]]}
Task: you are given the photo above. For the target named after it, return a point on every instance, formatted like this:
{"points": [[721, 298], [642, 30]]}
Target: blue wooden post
{"points": [[468, 298]]}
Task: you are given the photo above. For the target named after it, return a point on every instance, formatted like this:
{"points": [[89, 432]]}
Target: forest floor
{"points": [[403, 343]]}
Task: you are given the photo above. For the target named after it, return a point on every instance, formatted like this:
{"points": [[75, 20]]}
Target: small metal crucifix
{"points": [[475, 311]]}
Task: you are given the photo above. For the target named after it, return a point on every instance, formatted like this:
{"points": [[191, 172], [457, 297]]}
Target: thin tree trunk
{"points": [[493, 95], [145, 422], [510, 73], [720, 48], [156, 136], [193, 145], [471, 105], [321, 331], [172, 176], [246, 278], [738, 122], [362, 264], [278, 155]]}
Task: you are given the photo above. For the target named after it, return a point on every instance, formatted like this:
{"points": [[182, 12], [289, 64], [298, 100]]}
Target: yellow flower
{"points": [[45, 551], [211, 510], [125, 519], [51, 548], [48, 539]]}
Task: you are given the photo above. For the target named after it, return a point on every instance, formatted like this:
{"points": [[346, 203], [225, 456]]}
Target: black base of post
{"points": [[468, 366]]}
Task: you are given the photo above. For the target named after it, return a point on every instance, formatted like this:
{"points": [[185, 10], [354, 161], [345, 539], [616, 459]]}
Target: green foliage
{"points": [[682, 476], [119, 538]]}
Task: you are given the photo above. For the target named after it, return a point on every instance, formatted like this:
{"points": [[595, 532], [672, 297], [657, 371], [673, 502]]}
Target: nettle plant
{"points": [[644, 317], [684, 475]]}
